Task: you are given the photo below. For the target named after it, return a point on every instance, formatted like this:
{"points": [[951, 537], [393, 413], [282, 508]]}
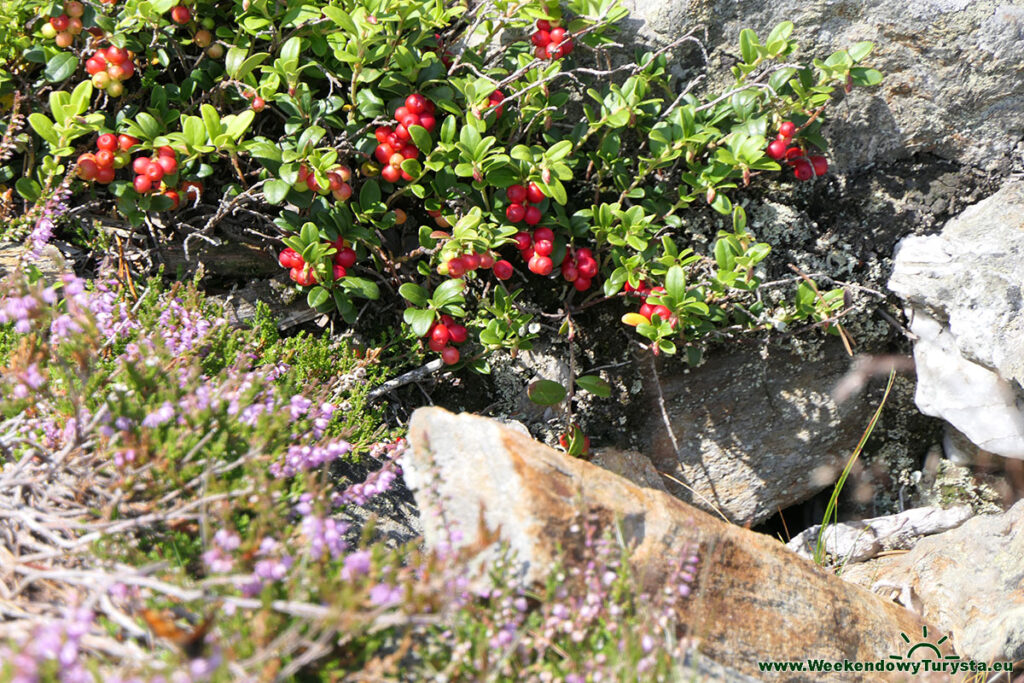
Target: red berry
{"points": [[410, 120], [552, 51], [60, 23], [258, 103], [456, 268], [155, 172], [527, 253], [533, 215], [662, 312], [87, 166], [523, 240], [305, 277], [416, 103], [820, 165], [447, 320], [439, 333], [339, 271], [382, 153], [343, 193], [515, 213], [401, 113], [180, 14], [794, 153], [450, 355], [105, 158], [557, 35], [93, 66], [646, 310], [396, 159], [289, 258], [503, 269], [345, 257], [382, 134], [403, 133], [534, 194], [166, 151], [569, 272], [584, 253], [143, 184], [802, 169], [436, 345], [540, 38], [428, 121], [116, 55], [516, 194], [457, 333], [395, 141], [126, 142], [543, 25], [141, 164], [107, 141], [486, 261], [541, 265], [410, 152], [168, 164], [105, 175], [544, 234], [787, 129], [587, 267], [390, 174], [566, 48], [540, 52], [471, 261], [777, 149], [543, 247], [581, 284]]}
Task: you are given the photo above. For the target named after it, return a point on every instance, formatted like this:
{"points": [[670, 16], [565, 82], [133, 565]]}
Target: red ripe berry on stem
{"points": [[289, 258], [541, 265], [126, 142], [143, 184], [533, 215], [345, 257], [457, 333], [503, 269], [456, 268], [168, 163], [581, 284], [141, 164], [428, 121], [105, 158], [60, 23], [541, 38], [543, 25], [515, 213], [587, 267], [516, 194], [534, 194], [439, 333], [471, 261], [787, 129], [450, 355], [777, 149], [543, 247], [382, 134], [391, 174], [180, 14], [546, 234], [802, 169], [523, 240], [107, 142], [416, 103], [338, 271], [819, 164]]}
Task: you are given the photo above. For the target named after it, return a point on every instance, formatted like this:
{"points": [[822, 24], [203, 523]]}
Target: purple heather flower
{"points": [[384, 594], [356, 564]]}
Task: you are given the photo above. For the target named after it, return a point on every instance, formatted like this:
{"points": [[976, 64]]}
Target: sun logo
{"points": [[929, 647]]}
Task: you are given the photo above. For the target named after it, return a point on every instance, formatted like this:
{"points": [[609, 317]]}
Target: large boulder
{"points": [[745, 435], [968, 581], [952, 68], [479, 483], [963, 290]]}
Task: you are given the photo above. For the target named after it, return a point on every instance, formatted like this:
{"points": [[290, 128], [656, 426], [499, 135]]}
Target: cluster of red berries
{"points": [[536, 249], [522, 203], [444, 333], [579, 268], [63, 29], [337, 182], [649, 309], [550, 42], [108, 67], [152, 170], [111, 153], [394, 145], [467, 263], [300, 273], [804, 168]]}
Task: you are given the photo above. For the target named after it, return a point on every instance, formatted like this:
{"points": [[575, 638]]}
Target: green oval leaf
{"points": [[594, 385], [545, 392], [61, 66]]}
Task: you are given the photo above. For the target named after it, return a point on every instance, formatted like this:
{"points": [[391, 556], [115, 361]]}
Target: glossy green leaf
{"points": [[545, 392]]}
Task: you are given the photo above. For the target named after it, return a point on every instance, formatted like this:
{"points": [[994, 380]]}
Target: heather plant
{"points": [[216, 536]]}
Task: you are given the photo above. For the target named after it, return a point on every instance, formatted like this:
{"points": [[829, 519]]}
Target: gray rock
{"points": [[866, 538], [754, 434], [636, 467], [968, 581], [952, 83], [963, 289]]}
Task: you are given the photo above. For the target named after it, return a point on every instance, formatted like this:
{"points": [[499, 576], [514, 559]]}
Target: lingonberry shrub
{"points": [[464, 151]]}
